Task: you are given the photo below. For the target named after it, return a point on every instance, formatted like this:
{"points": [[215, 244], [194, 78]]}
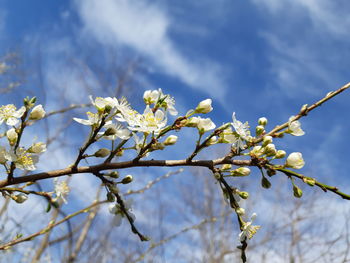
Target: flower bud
{"points": [[280, 154], [259, 130], [295, 160], [108, 108], [265, 183], [157, 146], [37, 113], [204, 106], [110, 197], [127, 179], [271, 172], [257, 151], [243, 195], [171, 140], [309, 181], [113, 174], [217, 176], [241, 171], [297, 191], [212, 140], [151, 96], [192, 122], [120, 152], [240, 211], [12, 136], [226, 167], [266, 140], [262, 121], [20, 198], [103, 152], [38, 147], [270, 150], [110, 131]]}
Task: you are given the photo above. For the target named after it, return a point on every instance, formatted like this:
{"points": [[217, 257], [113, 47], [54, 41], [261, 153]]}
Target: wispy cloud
{"points": [[144, 27], [306, 40]]}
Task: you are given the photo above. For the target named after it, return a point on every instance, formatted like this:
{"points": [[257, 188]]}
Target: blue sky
{"points": [[257, 58]]}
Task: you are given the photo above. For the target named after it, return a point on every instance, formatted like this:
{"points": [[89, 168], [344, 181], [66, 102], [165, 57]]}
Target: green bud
{"points": [[280, 154], [240, 211], [243, 195], [120, 152], [217, 176], [241, 171], [127, 179], [110, 197], [113, 174], [265, 183], [270, 150], [226, 167], [103, 152], [309, 181], [110, 131], [262, 121], [157, 146], [171, 140], [271, 172], [266, 140], [297, 191], [108, 108], [259, 130], [19, 198]]}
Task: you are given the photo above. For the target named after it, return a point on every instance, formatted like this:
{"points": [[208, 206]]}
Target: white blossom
{"points": [[151, 96], [116, 210], [202, 124], [101, 103], [295, 160], [37, 113], [242, 130], [171, 140], [248, 229], [294, 127], [205, 125], [12, 136], [150, 122], [204, 106], [10, 115], [61, 190], [38, 147], [114, 131], [23, 159], [3, 155], [227, 136], [93, 119]]}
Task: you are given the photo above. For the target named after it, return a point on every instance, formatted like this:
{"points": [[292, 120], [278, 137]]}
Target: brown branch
{"points": [[121, 165]]}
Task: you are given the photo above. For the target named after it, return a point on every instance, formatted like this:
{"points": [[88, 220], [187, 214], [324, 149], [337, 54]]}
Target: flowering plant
{"points": [[114, 121]]}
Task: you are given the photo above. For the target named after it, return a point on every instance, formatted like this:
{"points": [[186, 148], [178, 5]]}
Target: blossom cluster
{"points": [[16, 120], [116, 119], [144, 132]]}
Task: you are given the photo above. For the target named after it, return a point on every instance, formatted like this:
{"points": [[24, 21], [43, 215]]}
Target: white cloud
{"points": [[306, 40], [325, 14], [143, 26]]}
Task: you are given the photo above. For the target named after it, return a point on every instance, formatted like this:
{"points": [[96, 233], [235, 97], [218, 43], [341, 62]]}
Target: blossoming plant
{"points": [[141, 133]]}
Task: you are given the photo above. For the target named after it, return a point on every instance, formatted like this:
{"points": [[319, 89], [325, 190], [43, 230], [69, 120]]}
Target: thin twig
{"points": [[51, 225], [324, 187]]}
